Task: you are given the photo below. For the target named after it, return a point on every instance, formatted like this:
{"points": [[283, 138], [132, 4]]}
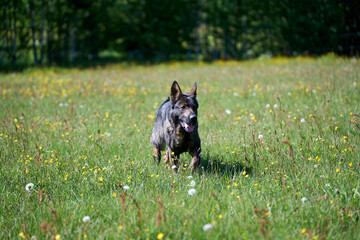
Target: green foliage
{"points": [[280, 141], [67, 32]]}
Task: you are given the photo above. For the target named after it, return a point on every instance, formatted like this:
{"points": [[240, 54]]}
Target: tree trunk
{"points": [[42, 45], [32, 20]]}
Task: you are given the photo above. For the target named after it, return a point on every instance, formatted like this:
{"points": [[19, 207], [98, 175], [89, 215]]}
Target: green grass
{"points": [[80, 136]]}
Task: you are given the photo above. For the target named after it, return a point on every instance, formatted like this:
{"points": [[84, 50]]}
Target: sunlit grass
{"points": [[280, 141]]}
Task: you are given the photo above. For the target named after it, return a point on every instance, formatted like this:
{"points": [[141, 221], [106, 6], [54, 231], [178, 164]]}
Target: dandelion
{"points": [[86, 219], [208, 227], [160, 236], [302, 120], [260, 136], [58, 236], [192, 183], [191, 191], [126, 187], [304, 200], [228, 112], [29, 187], [120, 227]]}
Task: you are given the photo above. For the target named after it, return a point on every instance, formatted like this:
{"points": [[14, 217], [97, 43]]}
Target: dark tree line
{"points": [[64, 31]]}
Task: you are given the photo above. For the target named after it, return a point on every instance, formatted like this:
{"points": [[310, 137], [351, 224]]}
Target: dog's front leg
{"points": [[157, 155], [174, 159], [195, 162]]}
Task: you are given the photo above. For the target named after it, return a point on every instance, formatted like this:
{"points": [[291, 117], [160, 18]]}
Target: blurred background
{"points": [[67, 32]]}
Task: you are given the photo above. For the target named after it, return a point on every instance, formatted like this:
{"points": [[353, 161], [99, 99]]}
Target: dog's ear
{"points": [[175, 92], [193, 90]]}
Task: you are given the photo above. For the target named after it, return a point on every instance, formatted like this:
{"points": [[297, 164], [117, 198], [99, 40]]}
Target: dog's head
{"points": [[184, 107]]}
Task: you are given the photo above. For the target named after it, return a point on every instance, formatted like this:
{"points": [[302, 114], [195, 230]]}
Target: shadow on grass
{"points": [[215, 164]]}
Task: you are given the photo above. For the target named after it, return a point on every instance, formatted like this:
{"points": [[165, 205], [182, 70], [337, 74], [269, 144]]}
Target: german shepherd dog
{"points": [[176, 127]]}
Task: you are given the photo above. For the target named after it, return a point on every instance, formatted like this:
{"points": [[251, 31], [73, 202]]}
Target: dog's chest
{"points": [[177, 138]]}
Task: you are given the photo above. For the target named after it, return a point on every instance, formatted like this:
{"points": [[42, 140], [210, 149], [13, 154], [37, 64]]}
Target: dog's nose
{"points": [[193, 119]]}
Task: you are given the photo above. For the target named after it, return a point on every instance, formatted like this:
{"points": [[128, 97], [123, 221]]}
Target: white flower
{"points": [[29, 187], [228, 111], [260, 136], [191, 191], [251, 114], [314, 90], [304, 199], [126, 187], [208, 227], [327, 185], [192, 183], [61, 105], [289, 116], [289, 93], [267, 105], [322, 176], [173, 166], [236, 94], [86, 219], [108, 134], [189, 177], [254, 94], [275, 105], [315, 166], [302, 120]]}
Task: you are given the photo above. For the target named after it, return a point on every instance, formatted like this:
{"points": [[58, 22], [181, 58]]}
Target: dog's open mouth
{"points": [[187, 127]]}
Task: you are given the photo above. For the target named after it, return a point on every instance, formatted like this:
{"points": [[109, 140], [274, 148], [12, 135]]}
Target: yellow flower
{"points": [[22, 235], [114, 194], [160, 236], [120, 227], [100, 179], [337, 170], [220, 216], [85, 236], [303, 230], [58, 236], [350, 164]]}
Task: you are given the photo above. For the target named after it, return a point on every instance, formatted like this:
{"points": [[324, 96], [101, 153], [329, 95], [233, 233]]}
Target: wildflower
{"points": [[58, 236], [189, 177], [275, 105], [192, 183], [120, 227], [108, 134], [126, 187], [114, 194], [260, 136], [173, 166], [289, 116], [302, 120], [29, 187], [191, 191], [22, 235], [315, 166], [208, 227], [160, 236], [267, 105], [228, 112], [304, 200], [86, 219]]}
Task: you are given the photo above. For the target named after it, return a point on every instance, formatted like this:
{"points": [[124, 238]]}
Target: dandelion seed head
{"points": [[126, 187], [228, 112], [208, 227], [191, 191], [260, 136], [86, 219], [29, 187]]}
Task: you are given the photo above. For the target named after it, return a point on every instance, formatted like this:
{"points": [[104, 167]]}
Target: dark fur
{"points": [[176, 127]]}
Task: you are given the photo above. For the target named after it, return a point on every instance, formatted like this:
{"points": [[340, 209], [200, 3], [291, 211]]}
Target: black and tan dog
{"points": [[176, 127]]}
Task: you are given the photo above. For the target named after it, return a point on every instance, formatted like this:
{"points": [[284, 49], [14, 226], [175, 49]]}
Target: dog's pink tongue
{"points": [[189, 128]]}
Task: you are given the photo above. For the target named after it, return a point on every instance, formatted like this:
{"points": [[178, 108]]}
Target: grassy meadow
{"points": [[280, 152]]}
